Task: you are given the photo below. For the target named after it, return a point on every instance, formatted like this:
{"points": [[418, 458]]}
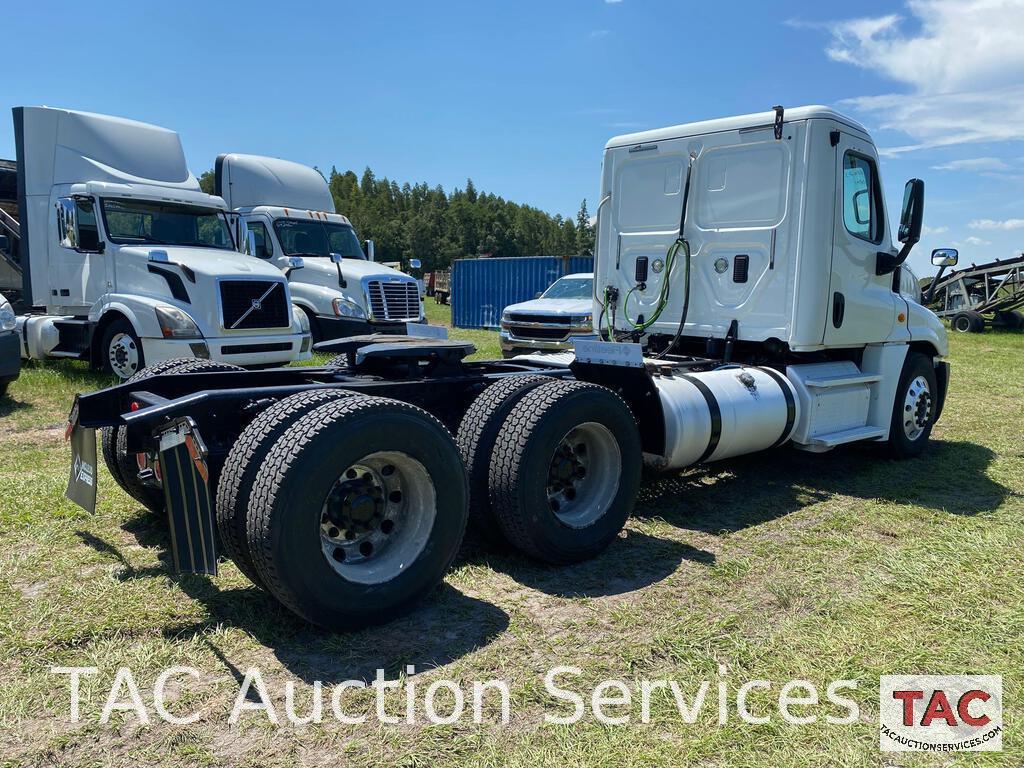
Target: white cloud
{"points": [[612, 2], [599, 33], [962, 65], [972, 240], [926, 231], [974, 164], [1004, 225]]}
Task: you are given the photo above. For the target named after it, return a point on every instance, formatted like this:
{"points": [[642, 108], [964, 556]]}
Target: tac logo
{"points": [[941, 713]]}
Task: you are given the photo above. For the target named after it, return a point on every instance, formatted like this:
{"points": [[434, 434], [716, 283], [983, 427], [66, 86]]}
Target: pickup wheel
{"points": [[477, 434], [913, 412], [121, 350], [243, 463], [123, 465], [565, 471], [358, 511]]}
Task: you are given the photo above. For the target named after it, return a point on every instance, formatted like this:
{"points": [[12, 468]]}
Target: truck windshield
{"points": [[570, 288], [129, 222], [299, 237]]}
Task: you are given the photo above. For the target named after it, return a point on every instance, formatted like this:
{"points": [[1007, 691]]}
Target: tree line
{"points": [[417, 221]]}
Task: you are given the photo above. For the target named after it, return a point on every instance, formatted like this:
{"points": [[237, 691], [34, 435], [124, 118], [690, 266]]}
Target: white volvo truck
{"points": [[288, 211], [125, 262], [746, 280]]}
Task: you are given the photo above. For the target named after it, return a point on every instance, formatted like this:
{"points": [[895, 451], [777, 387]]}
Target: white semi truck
{"points": [[286, 211], [124, 261], [747, 286]]}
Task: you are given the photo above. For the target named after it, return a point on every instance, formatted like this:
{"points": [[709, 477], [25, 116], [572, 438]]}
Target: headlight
{"points": [[347, 308], [301, 318], [175, 324], [582, 320], [7, 319]]}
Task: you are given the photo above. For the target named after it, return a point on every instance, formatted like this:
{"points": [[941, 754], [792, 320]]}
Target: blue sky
{"points": [[521, 96]]}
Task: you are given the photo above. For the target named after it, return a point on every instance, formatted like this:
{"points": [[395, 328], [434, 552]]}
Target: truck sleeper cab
{"points": [[126, 262], [343, 489], [286, 212]]}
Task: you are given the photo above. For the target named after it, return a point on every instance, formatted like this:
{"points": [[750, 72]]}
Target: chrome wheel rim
{"points": [[917, 408], [123, 355], [962, 324], [377, 517], [583, 475]]}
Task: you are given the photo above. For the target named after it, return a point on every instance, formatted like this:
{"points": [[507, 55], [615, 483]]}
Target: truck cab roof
{"points": [[282, 212], [736, 123]]}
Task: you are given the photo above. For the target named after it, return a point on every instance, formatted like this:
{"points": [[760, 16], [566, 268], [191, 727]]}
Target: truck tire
{"points": [[108, 435], [243, 463], [116, 441], [968, 322], [565, 471], [357, 511], [476, 436], [913, 413], [121, 350]]}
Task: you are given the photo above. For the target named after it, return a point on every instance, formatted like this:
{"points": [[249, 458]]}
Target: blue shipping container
{"points": [[482, 288]]}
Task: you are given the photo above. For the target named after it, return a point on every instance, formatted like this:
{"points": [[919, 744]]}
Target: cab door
{"points": [[78, 267], [862, 305]]}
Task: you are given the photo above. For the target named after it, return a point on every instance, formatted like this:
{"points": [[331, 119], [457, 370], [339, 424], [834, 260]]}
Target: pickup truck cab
{"points": [[286, 212], [553, 321]]}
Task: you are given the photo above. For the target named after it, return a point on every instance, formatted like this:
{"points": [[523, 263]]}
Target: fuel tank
{"points": [[725, 412]]}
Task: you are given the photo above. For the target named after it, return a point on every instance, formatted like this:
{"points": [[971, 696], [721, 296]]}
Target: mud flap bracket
{"points": [[186, 481]]}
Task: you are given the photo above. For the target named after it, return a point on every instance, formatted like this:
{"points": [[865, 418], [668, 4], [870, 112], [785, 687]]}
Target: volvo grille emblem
{"points": [[256, 304]]}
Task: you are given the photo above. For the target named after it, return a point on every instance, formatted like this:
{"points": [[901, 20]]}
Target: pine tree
{"points": [[584, 231]]}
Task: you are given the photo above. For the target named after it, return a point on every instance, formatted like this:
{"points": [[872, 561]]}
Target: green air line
{"points": [[670, 260]]}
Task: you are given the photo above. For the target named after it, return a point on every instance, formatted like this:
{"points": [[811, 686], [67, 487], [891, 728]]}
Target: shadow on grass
{"points": [[444, 627], [734, 494], [9, 405], [633, 561]]}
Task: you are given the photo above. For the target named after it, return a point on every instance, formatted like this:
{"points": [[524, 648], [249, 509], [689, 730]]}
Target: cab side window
{"points": [[861, 195], [264, 246]]}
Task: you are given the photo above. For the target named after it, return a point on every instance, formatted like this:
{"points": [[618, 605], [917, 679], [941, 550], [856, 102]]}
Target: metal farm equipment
{"points": [[981, 295]]}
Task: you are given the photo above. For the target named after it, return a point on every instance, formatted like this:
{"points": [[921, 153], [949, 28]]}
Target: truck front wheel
{"points": [[913, 413], [357, 511], [121, 350], [565, 471]]}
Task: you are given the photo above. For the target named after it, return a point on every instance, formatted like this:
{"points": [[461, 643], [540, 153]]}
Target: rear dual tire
{"points": [[565, 470], [357, 512], [123, 466]]}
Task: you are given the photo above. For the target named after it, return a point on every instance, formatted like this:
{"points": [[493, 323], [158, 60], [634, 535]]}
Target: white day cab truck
{"points": [[746, 283], [286, 212], [124, 262]]}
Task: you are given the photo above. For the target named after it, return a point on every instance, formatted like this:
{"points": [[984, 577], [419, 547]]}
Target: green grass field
{"points": [[776, 566]]}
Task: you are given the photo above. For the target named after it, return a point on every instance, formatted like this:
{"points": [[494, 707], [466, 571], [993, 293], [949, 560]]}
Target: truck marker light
{"points": [[901, 317]]}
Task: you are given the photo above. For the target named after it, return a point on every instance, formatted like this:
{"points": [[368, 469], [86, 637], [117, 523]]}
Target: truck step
{"points": [[833, 439], [842, 381], [75, 337]]}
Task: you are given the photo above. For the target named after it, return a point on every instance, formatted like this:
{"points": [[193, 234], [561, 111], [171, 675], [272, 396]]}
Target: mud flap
{"points": [[82, 480], [187, 496]]}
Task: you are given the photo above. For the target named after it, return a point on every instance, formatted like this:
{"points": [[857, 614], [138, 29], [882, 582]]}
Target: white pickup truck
{"points": [[286, 211], [125, 262]]}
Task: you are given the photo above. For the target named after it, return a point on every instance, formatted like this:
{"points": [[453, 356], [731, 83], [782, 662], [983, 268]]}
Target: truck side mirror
{"points": [[294, 262], [250, 242], [368, 247], [941, 258], [912, 215], [336, 258], [911, 218], [415, 264]]}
